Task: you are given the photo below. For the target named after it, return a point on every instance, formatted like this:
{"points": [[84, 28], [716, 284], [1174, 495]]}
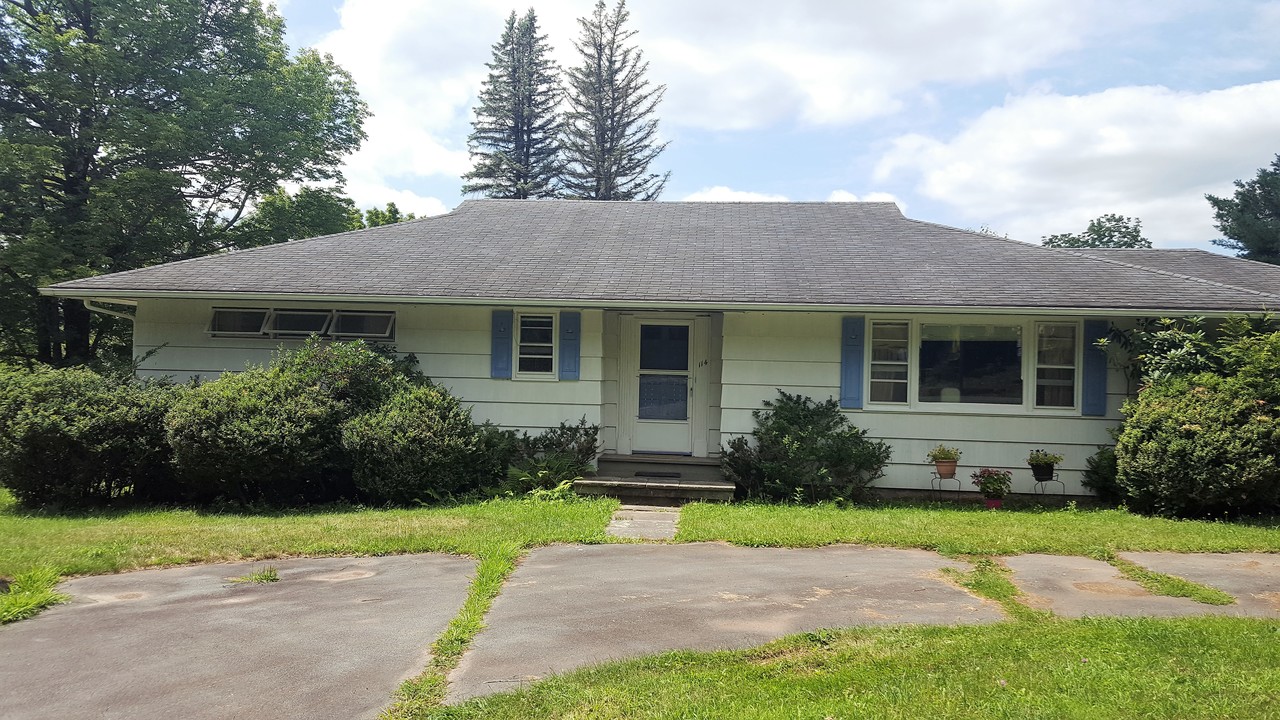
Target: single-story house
{"points": [[668, 323]]}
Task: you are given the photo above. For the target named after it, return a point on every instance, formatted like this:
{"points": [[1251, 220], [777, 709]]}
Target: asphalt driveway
{"points": [[332, 638]]}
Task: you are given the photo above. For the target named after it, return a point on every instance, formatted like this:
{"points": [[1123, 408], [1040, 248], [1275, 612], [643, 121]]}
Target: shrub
{"points": [[275, 434], [1100, 475], [554, 457], [74, 438], [421, 445], [1203, 446], [259, 435], [804, 450]]}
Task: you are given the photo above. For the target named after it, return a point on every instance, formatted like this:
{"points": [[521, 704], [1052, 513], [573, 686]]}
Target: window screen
{"points": [[362, 324], [300, 322], [237, 321]]}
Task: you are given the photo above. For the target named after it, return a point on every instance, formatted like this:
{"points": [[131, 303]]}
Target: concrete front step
{"points": [[650, 489], [661, 467]]}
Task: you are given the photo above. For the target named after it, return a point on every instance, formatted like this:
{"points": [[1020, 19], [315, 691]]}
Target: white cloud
{"points": [[720, 193], [1048, 163], [846, 196]]}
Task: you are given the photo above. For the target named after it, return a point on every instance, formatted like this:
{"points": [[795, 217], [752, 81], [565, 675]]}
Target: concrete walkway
{"points": [[331, 639], [335, 636], [644, 522], [575, 605]]}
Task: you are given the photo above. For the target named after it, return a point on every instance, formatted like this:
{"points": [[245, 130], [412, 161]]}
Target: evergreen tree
{"points": [[515, 134], [610, 128], [1106, 231], [1250, 219]]}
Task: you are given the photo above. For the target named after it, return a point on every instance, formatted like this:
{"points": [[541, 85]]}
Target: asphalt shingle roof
{"points": [[727, 254]]}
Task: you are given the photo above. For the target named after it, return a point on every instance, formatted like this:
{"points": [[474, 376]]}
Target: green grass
{"points": [[958, 531], [1115, 668], [113, 541], [261, 577], [29, 593], [990, 580], [1171, 585]]}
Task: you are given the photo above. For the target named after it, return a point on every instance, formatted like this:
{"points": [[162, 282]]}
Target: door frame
{"points": [[699, 376]]}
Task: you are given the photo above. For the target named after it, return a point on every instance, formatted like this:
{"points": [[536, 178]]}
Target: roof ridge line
{"points": [[1078, 253]]}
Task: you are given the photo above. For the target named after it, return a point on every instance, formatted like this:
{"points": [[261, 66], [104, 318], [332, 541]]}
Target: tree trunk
{"points": [[75, 322]]}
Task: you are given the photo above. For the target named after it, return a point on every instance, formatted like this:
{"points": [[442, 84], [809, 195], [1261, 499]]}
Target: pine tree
{"points": [[610, 128], [1250, 219], [516, 132]]}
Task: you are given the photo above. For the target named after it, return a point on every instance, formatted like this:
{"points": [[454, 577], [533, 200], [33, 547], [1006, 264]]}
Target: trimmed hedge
{"points": [[74, 438], [419, 446]]}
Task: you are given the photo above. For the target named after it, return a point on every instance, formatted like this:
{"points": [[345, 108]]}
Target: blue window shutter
{"points": [[1094, 392], [500, 353], [570, 344], [853, 339]]}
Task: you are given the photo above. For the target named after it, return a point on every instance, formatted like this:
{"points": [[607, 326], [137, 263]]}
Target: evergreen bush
{"points": [[804, 450], [74, 438]]}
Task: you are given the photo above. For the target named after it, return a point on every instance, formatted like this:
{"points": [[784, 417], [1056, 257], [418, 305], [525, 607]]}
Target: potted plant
{"points": [[994, 484], [944, 460], [1042, 463]]}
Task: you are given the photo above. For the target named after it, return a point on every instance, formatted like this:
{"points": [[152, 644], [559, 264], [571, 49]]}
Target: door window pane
{"points": [[971, 364], [664, 347], [664, 397]]}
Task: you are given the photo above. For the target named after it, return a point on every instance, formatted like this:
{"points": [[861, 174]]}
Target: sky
{"points": [[1028, 117]]}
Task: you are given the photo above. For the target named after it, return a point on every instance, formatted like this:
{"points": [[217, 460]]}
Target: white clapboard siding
{"points": [[452, 345], [800, 353]]}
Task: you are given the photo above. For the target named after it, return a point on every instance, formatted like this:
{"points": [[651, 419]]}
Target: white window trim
{"points": [[262, 331], [1026, 407], [554, 373]]}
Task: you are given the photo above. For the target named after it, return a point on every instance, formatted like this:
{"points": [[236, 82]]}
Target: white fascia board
{"points": [[132, 296]]}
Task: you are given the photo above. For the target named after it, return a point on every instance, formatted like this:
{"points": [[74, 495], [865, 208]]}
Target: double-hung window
{"points": [[536, 345], [890, 361], [1055, 365]]}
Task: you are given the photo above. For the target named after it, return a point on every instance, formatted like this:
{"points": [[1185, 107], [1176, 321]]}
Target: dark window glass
{"points": [[288, 322], [240, 322], [971, 364], [664, 347], [362, 324]]}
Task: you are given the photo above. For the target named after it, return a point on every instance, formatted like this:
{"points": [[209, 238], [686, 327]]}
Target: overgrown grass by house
{"points": [[1118, 668], [956, 530], [93, 543]]}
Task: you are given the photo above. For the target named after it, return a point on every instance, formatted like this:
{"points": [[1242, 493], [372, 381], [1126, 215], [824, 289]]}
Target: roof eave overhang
{"points": [[132, 296]]}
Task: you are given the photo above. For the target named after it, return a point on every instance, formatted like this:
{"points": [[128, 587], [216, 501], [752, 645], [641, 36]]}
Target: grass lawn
{"points": [[954, 530], [1113, 668], [113, 541]]}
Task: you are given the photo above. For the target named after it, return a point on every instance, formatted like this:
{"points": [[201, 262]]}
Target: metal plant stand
{"points": [[1041, 487]]}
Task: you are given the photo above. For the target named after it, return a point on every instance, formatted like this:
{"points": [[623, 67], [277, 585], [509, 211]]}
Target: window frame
{"points": [[278, 312], [262, 330], [539, 375], [1029, 329], [1076, 359], [388, 335]]}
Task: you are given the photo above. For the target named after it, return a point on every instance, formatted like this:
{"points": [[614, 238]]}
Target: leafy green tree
{"points": [[1250, 218], [373, 217], [515, 135], [280, 217], [1107, 231], [611, 134], [134, 132]]}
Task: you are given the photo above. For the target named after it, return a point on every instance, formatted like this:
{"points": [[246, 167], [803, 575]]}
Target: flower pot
{"points": [[946, 468], [1042, 473], [994, 503]]}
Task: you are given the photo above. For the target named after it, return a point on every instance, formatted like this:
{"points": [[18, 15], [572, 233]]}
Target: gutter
{"points": [[129, 297]]}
